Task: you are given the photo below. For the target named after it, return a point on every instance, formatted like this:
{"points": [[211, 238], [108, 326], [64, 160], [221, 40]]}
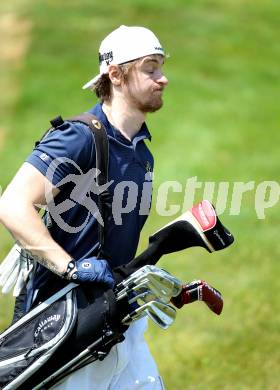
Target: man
{"points": [[65, 243]]}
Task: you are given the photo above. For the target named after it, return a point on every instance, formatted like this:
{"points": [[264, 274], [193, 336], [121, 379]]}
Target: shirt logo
{"points": [[44, 157], [148, 166]]}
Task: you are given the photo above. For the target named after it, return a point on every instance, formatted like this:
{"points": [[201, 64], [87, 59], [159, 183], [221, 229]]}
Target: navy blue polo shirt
{"points": [[66, 156]]}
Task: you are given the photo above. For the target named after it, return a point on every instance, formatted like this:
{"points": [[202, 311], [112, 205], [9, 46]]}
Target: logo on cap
{"points": [[108, 57]]}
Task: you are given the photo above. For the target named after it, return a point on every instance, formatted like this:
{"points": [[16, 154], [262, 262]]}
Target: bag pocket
{"points": [[28, 344]]}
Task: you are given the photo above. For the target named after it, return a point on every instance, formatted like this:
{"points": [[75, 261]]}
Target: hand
{"points": [[199, 290], [93, 270]]}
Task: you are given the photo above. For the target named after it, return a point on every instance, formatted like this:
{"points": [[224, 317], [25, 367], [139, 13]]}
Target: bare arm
{"points": [[18, 214]]}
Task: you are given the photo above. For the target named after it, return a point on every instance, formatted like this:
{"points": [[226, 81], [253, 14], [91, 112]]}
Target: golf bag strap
{"points": [[101, 144], [102, 165]]}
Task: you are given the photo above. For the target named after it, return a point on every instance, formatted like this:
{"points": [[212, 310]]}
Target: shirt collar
{"points": [[142, 134]]}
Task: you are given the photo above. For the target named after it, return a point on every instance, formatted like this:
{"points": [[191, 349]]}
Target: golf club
{"points": [[162, 314], [199, 226], [161, 282]]}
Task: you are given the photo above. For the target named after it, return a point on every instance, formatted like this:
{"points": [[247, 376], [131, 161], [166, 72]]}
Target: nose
{"points": [[163, 80]]}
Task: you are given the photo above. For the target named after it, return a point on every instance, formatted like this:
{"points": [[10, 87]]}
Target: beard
{"points": [[149, 103]]}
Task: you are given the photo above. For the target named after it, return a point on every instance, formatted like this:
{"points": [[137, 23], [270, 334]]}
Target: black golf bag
{"points": [[76, 318]]}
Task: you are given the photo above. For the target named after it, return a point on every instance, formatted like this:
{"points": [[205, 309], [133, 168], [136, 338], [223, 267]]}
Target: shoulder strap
{"points": [[101, 143], [102, 164]]}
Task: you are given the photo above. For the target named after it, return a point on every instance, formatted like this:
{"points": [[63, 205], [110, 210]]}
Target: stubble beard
{"points": [[149, 104]]}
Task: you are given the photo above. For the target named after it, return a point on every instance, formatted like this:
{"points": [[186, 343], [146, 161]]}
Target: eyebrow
{"points": [[149, 59]]}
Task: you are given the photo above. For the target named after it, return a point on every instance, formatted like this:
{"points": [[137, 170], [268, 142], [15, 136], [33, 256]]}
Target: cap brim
{"points": [[91, 82]]}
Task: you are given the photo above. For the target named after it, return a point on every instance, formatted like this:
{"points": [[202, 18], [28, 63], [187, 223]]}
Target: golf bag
{"points": [[57, 330]]}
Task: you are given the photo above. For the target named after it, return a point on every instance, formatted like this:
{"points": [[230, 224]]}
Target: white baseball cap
{"points": [[123, 45]]}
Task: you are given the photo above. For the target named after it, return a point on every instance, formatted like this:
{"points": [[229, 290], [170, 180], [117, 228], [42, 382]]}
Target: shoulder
{"points": [[70, 140], [80, 141], [70, 131], [69, 136]]}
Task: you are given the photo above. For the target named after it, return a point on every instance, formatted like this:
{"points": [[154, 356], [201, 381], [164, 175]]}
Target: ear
{"points": [[114, 73]]}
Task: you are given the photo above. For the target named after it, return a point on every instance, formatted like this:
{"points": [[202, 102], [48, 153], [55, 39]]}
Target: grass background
{"points": [[220, 122]]}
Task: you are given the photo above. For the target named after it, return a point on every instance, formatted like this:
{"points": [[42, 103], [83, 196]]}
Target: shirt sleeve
{"points": [[69, 149]]}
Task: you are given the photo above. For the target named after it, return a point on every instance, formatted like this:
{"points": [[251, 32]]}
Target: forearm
{"points": [[26, 226]]}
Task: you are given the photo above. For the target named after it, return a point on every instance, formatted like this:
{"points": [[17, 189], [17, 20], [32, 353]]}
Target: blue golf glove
{"points": [[93, 270]]}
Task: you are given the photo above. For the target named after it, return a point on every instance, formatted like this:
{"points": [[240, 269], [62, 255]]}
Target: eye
{"points": [[150, 71]]}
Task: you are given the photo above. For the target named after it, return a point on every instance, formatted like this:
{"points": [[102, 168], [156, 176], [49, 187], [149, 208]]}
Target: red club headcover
{"points": [[199, 290]]}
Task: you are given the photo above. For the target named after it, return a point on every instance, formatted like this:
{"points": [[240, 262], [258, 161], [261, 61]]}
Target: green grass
{"points": [[220, 122]]}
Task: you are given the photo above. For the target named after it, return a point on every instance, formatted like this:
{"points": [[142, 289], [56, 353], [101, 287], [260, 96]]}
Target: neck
{"points": [[128, 120]]}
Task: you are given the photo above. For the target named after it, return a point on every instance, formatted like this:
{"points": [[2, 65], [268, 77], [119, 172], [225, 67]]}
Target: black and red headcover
{"points": [[199, 226]]}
